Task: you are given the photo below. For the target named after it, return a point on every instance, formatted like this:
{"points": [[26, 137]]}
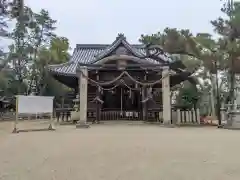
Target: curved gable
{"points": [[119, 47]]}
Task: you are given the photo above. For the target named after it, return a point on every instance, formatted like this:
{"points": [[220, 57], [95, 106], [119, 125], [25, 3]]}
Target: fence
{"points": [[12, 116], [179, 116], [121, 115], [186, 117], [7, 115], [224, 113]]}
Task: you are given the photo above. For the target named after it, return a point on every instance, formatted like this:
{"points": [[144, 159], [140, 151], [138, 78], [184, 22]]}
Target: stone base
{"points": [[169, 125], [220, 126], [75, 116], [33, 130], [234, 122], [15, 130], [82, 125], [231, 128], [51, 128], [97, 122]]}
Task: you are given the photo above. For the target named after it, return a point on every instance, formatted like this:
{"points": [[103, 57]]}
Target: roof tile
{"points": [[90, 53]]}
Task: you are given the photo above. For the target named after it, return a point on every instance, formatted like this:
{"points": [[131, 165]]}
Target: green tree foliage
{"points": [[57, 53], [228, 28], [173, 41], [35, 45], [188, 96], [41, 32], [220, 54], [179, 42], [4, 14]]}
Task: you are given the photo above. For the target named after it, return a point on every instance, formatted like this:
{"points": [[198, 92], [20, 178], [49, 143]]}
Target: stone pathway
{"points": [[120, 152]]}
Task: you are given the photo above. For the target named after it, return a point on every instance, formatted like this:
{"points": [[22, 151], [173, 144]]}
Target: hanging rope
{"points": [[109, 89], [97, 98], [141, 83], [124, 83], [120, 76], [104, 83], [148, 98], [121, 81]]}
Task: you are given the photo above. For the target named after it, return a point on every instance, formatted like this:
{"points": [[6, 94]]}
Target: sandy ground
{"points": [[120, 152]]}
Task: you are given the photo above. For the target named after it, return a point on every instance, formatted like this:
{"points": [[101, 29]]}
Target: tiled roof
{"points": [[119, 40], [67, 69], [91, 53]]}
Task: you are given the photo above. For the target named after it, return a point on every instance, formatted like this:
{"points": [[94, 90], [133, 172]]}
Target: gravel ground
{"points": [[120, 152]]}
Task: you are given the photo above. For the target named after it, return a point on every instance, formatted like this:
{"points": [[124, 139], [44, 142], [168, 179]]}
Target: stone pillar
{"points": [[178, 117], [183, 117], [187, 116], [166, 96], [194, 116], [223, 114], [190, 116], [198, 116], [83, 94]]}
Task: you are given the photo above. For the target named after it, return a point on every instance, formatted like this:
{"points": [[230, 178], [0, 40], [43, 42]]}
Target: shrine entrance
{"points": [[121, 99], [95, 67], [122, 94], [121, 103]]}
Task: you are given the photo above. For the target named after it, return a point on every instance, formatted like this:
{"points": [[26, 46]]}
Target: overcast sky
{"points": [[99, 21]]}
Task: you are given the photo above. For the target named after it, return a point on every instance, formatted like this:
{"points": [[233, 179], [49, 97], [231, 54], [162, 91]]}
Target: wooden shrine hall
{"points": [[123, 78]]}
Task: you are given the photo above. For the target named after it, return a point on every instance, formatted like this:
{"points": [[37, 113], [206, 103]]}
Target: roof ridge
{"points": [[120, 39], [60, 65], [104, 46], [92, 46], [138, 45], [131, 48], [112, 46], [101, 45]]}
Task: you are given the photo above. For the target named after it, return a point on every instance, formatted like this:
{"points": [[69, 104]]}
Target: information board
{"points": [[34, 104]]}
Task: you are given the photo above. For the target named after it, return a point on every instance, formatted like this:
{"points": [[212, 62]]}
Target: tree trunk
{"points": [[212, 95]]}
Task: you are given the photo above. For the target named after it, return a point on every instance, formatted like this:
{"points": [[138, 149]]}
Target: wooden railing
{"points": [[179, 116], [121, 115]]}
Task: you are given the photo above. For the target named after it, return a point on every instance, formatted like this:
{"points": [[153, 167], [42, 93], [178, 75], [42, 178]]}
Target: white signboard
{"points": [[35, 104], [238, 98]]}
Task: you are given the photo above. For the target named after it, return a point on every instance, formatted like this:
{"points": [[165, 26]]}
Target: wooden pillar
{"points": [[62, 102], [83, 94], [144, 96], [98, 105], [166, 96]]}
